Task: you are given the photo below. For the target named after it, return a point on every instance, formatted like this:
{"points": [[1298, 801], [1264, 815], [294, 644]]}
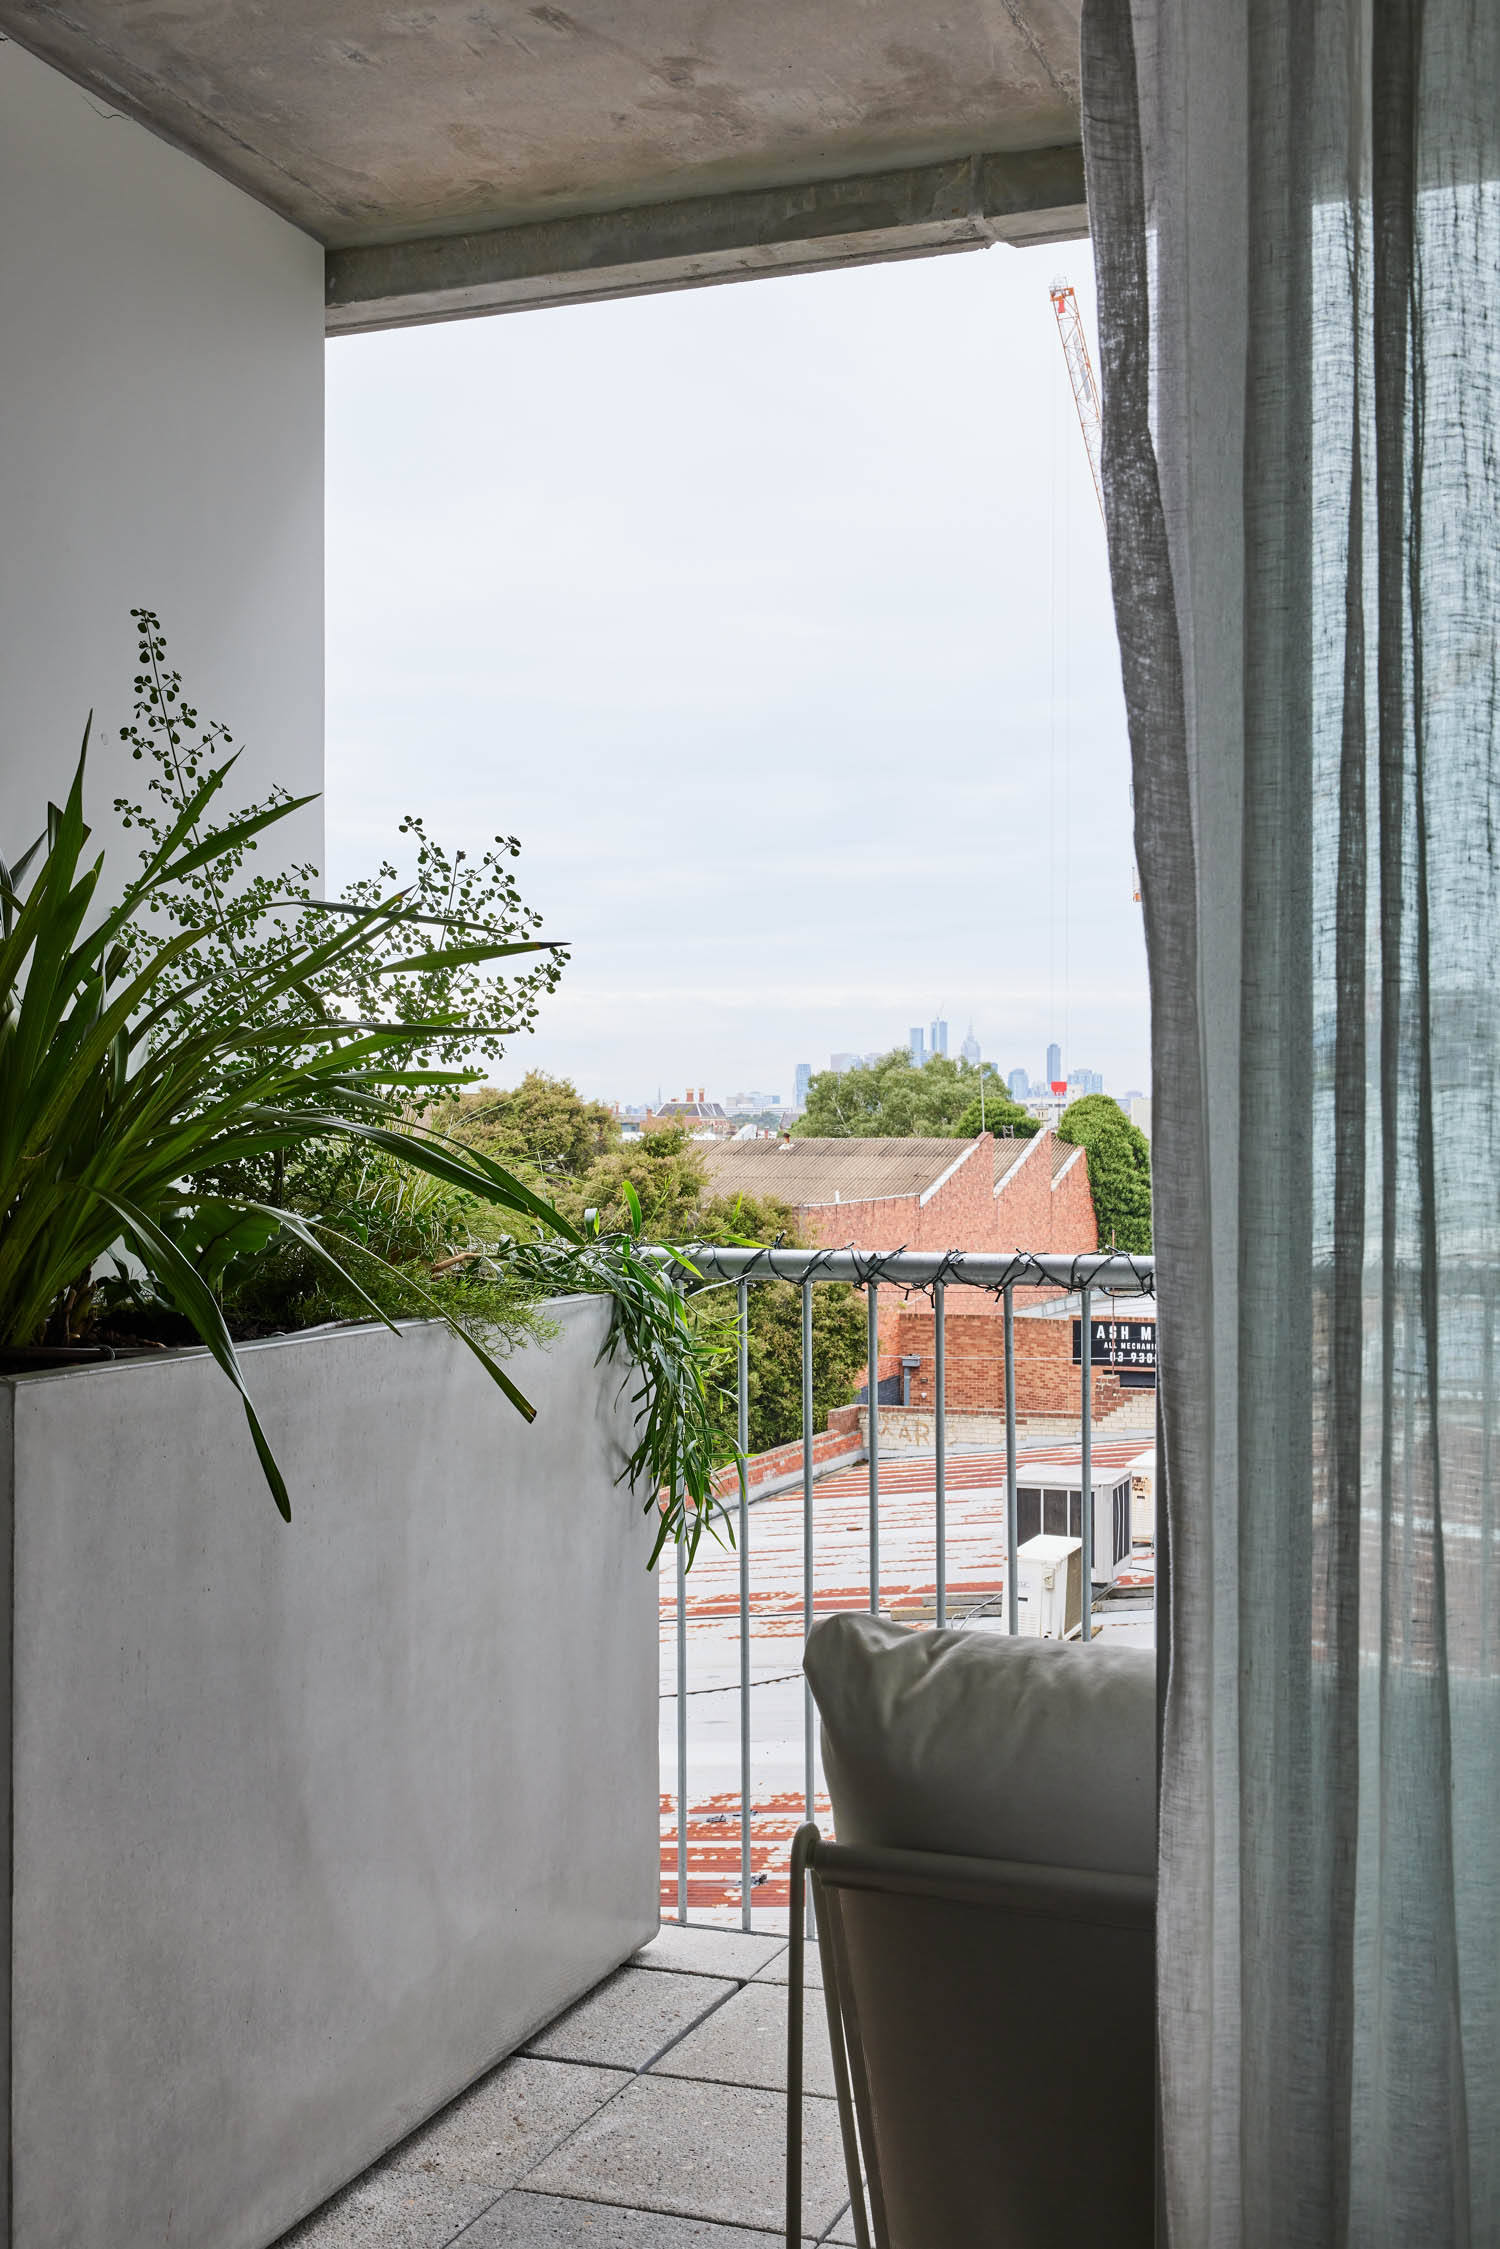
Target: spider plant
{"points": [[137, 1075]]}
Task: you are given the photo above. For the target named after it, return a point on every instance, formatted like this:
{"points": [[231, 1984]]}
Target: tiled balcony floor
{"points": [[651, 2116]]}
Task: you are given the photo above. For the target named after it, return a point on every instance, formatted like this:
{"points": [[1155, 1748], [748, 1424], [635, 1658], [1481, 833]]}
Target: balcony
{"points": [[652, 2112]]}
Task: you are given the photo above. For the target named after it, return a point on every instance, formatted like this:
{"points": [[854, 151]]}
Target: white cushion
{"points": [[990, 1747]]}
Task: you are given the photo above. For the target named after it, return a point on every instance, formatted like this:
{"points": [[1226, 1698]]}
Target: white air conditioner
{"points": [[1143, 1497], [1050, 1503], [1049, 1587]]}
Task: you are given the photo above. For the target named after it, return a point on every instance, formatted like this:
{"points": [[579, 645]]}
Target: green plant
{"points": [[121, 1104], [155, 1083], [543, 1122], [676, 1348], [659, 1188], [840, 1347], [1119, 1160], [896, 1098], [410, 970]]}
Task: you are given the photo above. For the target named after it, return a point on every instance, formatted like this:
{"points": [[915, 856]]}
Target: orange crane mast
{"points": [[1081, 376]]}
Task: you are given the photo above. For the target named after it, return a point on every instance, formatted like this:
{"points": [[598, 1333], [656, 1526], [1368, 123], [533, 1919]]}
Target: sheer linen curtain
{"points": [[1296, 223]]}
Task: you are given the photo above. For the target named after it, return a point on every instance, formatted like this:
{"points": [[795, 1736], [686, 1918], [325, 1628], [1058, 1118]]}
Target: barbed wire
{"points": [[1086, 1269]]}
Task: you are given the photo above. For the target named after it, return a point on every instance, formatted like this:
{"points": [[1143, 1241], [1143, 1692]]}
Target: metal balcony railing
{"points": [[932, 1275]]}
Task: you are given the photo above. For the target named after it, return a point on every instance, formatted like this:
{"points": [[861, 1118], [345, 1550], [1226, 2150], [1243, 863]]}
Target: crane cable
{"points": [[1087, 405]]}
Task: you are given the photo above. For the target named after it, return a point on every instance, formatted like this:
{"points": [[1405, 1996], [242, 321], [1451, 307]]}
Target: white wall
{"points": [[161, 445]]}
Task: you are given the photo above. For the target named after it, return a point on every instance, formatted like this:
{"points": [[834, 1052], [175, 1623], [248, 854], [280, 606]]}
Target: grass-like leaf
{"points": [[139, 1070]]}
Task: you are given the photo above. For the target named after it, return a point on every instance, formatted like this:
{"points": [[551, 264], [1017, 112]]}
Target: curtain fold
{"points": [[1296, 217]]}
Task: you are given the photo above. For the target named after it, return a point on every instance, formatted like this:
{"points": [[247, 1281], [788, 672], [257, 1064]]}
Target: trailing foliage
{"points": [[663, 1176], [679, 1360], [1119, 1157], [174, 1067], [896, 1099]]}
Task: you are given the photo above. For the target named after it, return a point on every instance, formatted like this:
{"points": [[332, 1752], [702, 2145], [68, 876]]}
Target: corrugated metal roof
{"points": [[805, 1172], [1063, 1152], [1008, 1153]]}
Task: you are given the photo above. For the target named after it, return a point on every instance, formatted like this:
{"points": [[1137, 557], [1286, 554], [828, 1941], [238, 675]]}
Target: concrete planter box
{"points": [[308, 1825]]}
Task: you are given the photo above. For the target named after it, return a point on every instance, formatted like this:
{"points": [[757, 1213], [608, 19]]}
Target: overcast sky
{"points": [[774, 619]]}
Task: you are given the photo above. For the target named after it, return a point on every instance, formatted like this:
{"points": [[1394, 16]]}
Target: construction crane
{"points": [[1081, 375]]}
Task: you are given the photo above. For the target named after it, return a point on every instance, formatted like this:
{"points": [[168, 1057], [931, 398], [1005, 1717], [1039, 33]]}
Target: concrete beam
{"points": [[1026, 196]]}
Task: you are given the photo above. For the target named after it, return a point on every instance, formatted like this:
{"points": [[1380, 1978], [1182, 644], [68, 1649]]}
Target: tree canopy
{"points": [[543, 1122], [1119, 1157], [898, 1099], [545, 1127]]}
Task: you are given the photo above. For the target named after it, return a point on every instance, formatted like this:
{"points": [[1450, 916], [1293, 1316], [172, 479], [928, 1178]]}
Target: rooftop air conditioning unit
{"points": [[1050, 1503], [1049, 1588], [1143, 1497]]}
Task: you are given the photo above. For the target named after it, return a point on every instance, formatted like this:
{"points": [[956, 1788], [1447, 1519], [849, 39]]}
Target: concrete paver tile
{"points": [[493, 2134], [709, 1952], [779, 1970], [744, 2043], [392, 2210], [544, 2221], [700, 2151], [629, 2019]]}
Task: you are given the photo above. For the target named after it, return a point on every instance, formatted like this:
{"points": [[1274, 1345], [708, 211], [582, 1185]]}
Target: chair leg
{"points": [[804, 1843], [834, 1999]]}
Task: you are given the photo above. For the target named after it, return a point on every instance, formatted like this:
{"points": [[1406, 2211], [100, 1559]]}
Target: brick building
{"points": [[1048, 1380], [982, 1194], [987, 1194], [694, 1116]]}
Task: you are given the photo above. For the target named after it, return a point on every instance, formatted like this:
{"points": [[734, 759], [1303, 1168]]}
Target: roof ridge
{"points": [[1034, 1141]]}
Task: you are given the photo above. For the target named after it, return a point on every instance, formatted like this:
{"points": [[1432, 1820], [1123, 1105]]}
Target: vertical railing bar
{"points": [[682, 1733], [810, 1773], [1012, 1568], [807, 1531], [743, 1448], [940, 1434], [873, 1292], [1086, 1355], [1486, 1486]]}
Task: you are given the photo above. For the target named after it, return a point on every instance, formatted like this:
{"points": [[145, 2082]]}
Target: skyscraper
{"points": [[917, 1040], [938, 1037], [804, 1080], [1054, 1063], [970, 1048], [1019, 1084]]}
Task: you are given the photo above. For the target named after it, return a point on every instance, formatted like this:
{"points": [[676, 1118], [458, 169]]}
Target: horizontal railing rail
{"points": [[1106, 1274], [1112, 1270]]}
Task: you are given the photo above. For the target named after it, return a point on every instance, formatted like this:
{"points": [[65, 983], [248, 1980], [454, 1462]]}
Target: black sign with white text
{"points": [[1118, 1343]]}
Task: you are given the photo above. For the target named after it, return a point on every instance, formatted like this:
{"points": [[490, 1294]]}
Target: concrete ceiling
{"points": [[386, 125]]}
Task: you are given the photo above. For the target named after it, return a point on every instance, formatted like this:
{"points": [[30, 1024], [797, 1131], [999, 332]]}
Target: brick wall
{"points": [[889, 1223], [958, 1215], [1047, 1381], [1030, 1211], [1074, 1225], [829, 1448], [1023, 1205], [967, 1212]]}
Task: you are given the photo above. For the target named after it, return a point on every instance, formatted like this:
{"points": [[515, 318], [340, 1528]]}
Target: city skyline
{"points": [[1080, 1078], [1078, 1075]]}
